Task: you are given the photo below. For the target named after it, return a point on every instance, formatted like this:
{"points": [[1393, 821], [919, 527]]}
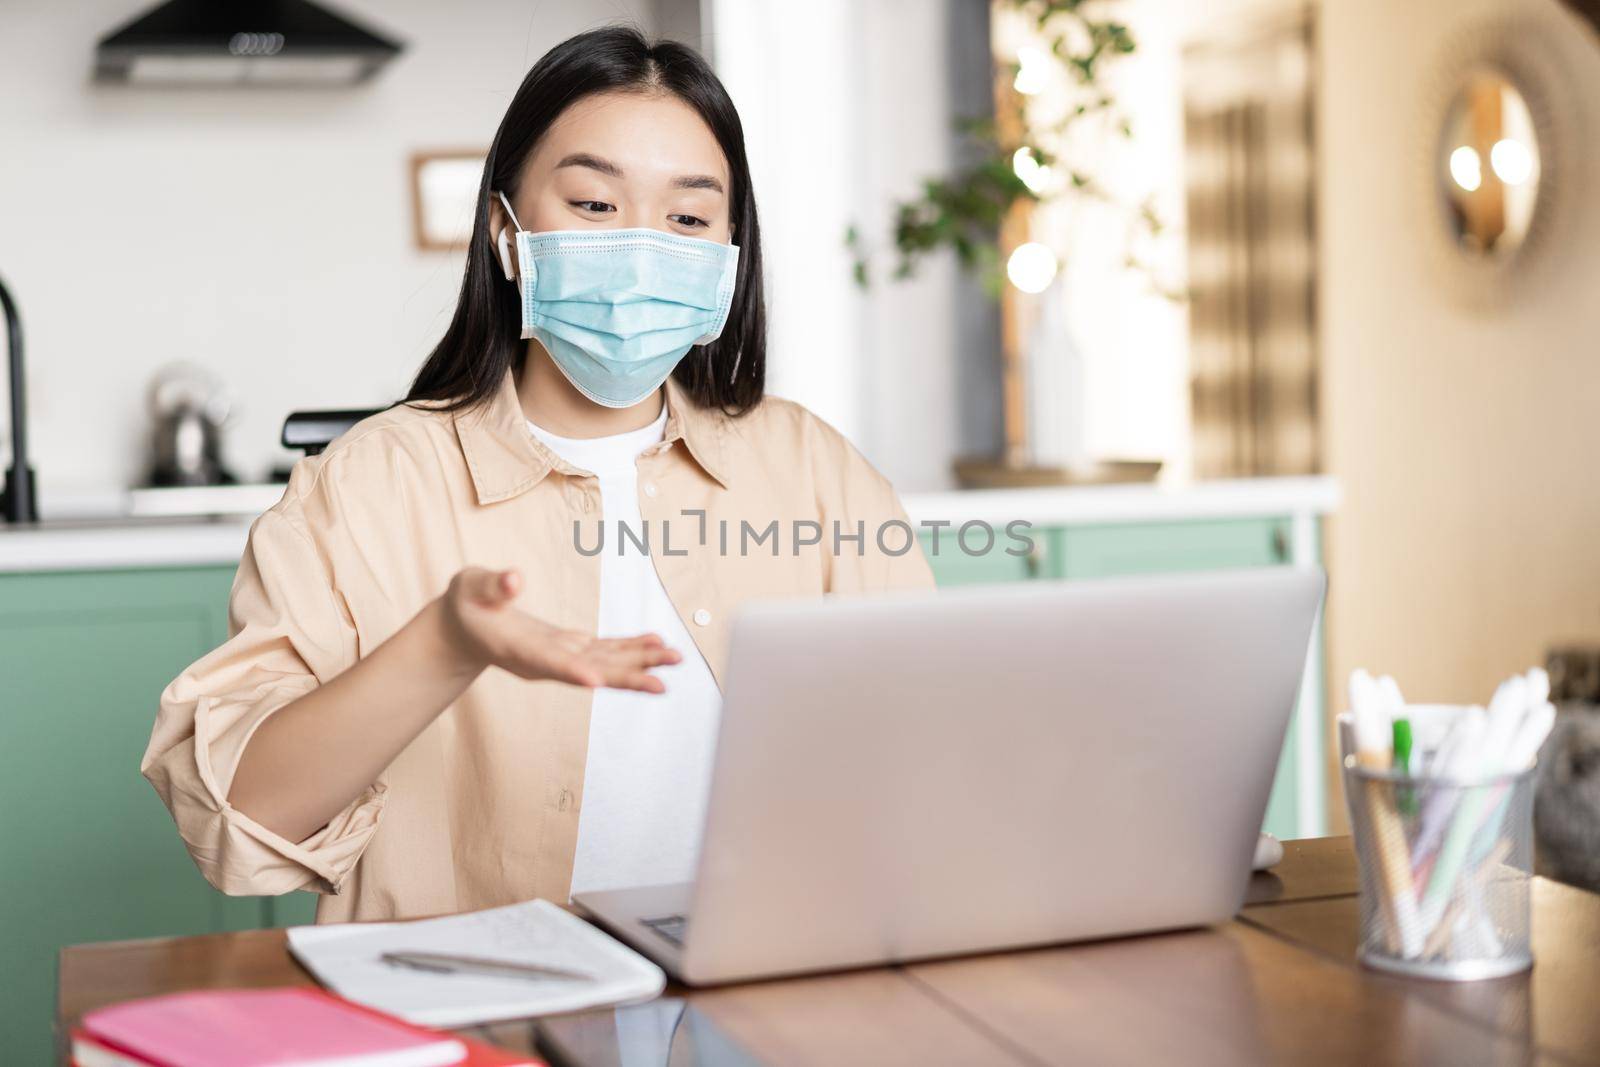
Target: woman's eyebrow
{"points": [[605, 166], [697, 181], [584, 159]]}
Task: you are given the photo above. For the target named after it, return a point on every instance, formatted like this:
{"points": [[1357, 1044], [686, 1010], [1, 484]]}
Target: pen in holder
{"points": [[1445, 867]]}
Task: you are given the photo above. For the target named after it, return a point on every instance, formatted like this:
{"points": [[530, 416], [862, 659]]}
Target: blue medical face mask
{"points": [[618, 309]]}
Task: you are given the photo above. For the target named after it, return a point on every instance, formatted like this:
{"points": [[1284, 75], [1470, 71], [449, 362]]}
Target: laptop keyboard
{"points": [[669, 927]]}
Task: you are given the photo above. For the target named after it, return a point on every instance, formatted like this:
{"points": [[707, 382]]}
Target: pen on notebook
{"points": [[445, 963]]}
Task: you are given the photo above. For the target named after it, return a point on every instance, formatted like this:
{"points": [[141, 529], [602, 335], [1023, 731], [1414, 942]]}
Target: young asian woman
{"points": [[477, 647]]}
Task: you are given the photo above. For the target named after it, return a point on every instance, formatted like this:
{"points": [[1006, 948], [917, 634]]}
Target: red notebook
{"points": [[291, 1027]]}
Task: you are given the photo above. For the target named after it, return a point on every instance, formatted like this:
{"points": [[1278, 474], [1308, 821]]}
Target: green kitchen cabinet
{"points": [[1117, 549], [90, 852], [952, 566], [1113, 550], [291, 909]]}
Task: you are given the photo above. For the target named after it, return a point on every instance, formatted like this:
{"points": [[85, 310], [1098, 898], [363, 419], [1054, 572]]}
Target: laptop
{"points": [[921, 775]]}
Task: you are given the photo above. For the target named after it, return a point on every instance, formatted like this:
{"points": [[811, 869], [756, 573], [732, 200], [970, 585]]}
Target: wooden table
{"points": [[1279, 984]]}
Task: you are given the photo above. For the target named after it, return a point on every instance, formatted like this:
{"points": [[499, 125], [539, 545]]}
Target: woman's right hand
{"points": [[482, 628], [309, 759]]}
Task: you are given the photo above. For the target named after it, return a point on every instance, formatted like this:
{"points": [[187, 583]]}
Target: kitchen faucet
{"points": [[17, 501]]}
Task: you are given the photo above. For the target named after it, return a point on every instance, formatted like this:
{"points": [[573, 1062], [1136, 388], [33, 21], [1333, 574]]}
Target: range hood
{"points": [[241, 42]]}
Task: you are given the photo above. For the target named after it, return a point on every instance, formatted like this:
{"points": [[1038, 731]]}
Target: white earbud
{"points": [[504, 245]]}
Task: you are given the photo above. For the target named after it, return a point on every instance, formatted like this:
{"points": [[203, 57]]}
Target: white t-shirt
{"points": [[649, 765]]}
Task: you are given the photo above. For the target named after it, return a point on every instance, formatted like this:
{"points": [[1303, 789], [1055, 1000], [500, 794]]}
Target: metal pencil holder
{"points": [[1445, 868]]}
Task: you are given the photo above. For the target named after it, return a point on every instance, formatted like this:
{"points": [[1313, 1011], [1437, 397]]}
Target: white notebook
{"points": [[347, 959]]}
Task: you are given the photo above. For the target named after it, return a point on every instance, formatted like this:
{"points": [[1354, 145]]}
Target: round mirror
{"points": [[1489, 165]]}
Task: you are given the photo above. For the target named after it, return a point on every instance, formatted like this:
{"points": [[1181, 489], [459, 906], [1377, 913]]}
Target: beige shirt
{"points": [[482, 808]]}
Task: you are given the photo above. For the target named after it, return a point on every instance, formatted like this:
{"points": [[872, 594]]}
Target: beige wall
{"points": [[1467, 440]]}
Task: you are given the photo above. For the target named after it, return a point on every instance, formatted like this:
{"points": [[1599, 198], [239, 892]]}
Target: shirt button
{"points": [[650, 489], [702, 617]]}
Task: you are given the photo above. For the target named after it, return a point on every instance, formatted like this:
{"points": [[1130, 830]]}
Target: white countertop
{"points": [[117, 545], [148, 528], [1242, 498]]}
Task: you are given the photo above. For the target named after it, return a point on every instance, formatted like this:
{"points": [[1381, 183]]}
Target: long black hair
{"points": [[483, 341]]}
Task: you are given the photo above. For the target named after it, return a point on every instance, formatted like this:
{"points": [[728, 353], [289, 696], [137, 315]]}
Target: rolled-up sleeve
{"points": [[290, 633]]}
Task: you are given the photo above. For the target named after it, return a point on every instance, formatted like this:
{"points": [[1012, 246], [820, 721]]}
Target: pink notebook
{"points": [[265, 1028]]}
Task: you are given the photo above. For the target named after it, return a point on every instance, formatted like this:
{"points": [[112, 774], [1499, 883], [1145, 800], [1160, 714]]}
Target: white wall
{"points": [[799, 140], [264, 234], [847, 105], [1133, 340]]}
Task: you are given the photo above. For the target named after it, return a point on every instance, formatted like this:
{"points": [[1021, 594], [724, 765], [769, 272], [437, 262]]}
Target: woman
{"points": [[439, 695]]}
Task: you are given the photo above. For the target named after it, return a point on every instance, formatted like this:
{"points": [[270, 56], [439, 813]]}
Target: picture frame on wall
{"points": [[444, 197]]}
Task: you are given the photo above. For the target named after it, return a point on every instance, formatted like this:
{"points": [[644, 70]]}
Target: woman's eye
{"points": [[596, 206], [688, 220]]}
